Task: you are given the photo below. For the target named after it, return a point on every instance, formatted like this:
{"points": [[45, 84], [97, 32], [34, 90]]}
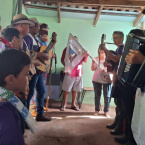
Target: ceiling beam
{"points": [[76, 11], [58, 12], [138, 19], [97, 15], [94, 2]]}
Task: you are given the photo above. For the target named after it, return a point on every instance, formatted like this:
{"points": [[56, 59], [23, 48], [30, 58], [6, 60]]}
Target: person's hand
{"points": [[93, 61], [68, 73], [87, 54], [134, 57], [103, 70], [53, 56], [35, 62], [46, 56]]}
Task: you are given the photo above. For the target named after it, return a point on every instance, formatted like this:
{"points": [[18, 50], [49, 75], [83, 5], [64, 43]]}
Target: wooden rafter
{"points": [[98, 15], [76, 11], [138, 19], [94, 2], [58, 12]]}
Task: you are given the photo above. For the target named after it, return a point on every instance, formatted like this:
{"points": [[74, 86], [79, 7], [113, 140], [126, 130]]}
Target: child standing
{"points": [[14, 78], [101, 78]]}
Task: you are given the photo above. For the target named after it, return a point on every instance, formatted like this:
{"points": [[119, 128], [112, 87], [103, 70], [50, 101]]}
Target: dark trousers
{"points": [[128, 100], [119, 112], [37, 83]]}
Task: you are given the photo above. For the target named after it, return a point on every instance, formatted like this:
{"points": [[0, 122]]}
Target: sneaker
{"points": [[42, 118], [107, 115], [96, 113]]}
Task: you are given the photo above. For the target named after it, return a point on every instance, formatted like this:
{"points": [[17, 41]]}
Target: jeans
{"points": [[37, 82], [106, 93]]}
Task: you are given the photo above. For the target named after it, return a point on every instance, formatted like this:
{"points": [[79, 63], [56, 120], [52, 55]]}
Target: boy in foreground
{"points": [[14, 78]]}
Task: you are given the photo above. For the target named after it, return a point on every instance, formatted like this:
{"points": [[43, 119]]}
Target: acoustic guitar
{"points": [[44, 64], [109, 63]]}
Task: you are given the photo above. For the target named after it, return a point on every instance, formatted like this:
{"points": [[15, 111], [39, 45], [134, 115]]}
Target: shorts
{"points": [[72, 83]]}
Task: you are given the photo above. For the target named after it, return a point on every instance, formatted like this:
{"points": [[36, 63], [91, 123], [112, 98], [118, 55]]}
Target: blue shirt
{"points": [[41, 41], [10, 125]]}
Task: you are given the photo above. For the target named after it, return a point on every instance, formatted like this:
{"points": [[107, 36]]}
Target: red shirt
{"points": [[78, 70]]}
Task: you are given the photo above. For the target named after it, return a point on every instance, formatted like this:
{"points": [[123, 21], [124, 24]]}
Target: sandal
{"points": [[75, 108], [62, 108]]}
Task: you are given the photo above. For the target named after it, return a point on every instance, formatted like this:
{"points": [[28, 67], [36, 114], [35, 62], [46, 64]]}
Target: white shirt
{"points": [[101, 76]]}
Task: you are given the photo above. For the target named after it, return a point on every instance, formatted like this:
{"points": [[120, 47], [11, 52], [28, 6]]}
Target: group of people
{"points": [[25, 37], [18, 76]]}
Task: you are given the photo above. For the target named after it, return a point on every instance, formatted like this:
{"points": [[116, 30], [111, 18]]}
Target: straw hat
{"points": [[35, 21], [21, 19]]}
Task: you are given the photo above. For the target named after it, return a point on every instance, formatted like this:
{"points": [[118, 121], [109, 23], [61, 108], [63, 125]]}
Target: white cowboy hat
{"points": [[35, 21], [21, 19]]}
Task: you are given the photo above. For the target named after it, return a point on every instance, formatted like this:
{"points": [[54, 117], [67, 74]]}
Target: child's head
{"points": [[13, 36], [43, 32], [14, 70]]}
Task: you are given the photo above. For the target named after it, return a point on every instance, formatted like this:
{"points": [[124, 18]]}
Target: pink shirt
{"points": [[78, 70]]}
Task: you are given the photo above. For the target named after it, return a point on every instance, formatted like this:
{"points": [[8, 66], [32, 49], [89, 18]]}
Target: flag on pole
{"points": [[74, 54]]}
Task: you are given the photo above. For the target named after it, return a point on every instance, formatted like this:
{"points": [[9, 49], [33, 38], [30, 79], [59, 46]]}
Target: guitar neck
{"points": [[49, 47]]}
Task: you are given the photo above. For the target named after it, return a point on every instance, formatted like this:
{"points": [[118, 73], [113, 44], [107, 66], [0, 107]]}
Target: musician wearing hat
{"points": [[22, 23], [37, 81]]}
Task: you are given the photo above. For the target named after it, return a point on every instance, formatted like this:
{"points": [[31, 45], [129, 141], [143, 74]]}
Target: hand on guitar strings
{"points": [[35, 62], [45, 56], [134, 57]]}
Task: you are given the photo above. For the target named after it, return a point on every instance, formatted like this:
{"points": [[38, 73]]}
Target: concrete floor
{"points": [[73, 128]]}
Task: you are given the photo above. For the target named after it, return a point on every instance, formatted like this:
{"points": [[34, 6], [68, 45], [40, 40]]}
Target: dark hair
{"points": [[119, 33], [9, 33], [12, 62]]}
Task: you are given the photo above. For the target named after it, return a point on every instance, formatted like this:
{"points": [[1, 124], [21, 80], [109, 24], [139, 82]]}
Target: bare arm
{"points": [[86, 57], [113, 57]]}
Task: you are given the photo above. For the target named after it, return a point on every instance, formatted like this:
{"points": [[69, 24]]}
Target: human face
{"points": [[24, 29], [117, 39], [34, 30], [45, 38], [102, 54], [21, 82], [17, 43]]}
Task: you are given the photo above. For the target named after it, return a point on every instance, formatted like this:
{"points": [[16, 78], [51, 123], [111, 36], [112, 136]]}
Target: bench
{"points": [[83, 94]]}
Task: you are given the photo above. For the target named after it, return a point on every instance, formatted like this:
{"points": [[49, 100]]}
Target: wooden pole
{"points": [[50, 72]]}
